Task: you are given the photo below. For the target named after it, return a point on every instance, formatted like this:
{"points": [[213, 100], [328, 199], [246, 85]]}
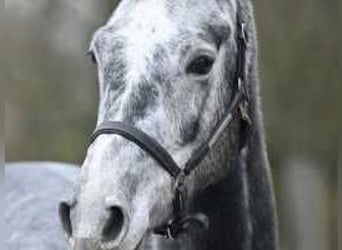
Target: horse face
{"points": [[162, 67]]}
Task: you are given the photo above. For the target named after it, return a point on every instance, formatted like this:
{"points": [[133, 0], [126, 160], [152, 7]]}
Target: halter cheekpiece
{"points": [[172, 229]]}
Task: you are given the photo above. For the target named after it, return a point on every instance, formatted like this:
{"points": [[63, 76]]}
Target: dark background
{"points": [[51, 98]]}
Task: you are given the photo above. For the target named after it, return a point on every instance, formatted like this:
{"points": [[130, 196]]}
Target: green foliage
{"points": [[299, 56]]}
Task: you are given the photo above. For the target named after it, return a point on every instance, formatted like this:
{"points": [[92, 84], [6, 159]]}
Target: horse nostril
{"points": [[64, 215], [114, 225]]}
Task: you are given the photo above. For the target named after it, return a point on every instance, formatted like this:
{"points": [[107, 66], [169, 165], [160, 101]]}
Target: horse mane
{"points": [[260, 187]]}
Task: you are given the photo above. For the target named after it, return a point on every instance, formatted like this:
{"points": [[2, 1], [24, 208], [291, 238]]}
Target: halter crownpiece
{"points": [[164, 159]]}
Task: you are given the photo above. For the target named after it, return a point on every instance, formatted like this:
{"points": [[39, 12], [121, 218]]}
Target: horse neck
{"points": [[241, 206], [225, 204]]}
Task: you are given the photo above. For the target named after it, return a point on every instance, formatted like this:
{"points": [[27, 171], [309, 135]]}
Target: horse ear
{"points": [[260, 187]]}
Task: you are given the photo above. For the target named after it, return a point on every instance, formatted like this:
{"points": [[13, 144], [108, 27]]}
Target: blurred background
{"points": [[51, 98]]}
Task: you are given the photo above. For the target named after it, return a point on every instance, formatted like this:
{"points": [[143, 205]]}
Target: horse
{"points": [[178, 157], [32, 193]]}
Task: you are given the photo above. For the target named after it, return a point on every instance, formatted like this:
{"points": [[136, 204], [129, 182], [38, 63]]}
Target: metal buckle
{"points": [[242, 88], [180, 179], [179, 190], [244, 112], [169, 234], [243, 32], [240, 85], [172, 230]]}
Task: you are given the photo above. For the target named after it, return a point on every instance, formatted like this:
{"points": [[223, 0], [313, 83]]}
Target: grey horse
{"points": [[168, 68], [32, 193]]}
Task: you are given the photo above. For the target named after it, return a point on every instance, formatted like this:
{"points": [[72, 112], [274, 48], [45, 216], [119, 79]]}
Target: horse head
{"points": [[168, 69]]}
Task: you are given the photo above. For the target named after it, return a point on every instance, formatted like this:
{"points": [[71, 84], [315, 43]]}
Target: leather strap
{"points": [[144, 141]]}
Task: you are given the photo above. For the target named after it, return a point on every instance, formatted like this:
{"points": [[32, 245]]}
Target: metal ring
{"points": [[243, 31], [169, 230], [240, 84]]}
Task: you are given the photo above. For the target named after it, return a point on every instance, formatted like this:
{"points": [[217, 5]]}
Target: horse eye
{"points": [[201, 65], [92, 56]]}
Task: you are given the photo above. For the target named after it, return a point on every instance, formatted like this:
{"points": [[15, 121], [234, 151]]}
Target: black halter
{"points": [[165, 160]]}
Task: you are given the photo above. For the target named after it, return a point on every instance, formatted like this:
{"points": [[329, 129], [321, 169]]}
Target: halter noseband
{"points": [[165, 160]]}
